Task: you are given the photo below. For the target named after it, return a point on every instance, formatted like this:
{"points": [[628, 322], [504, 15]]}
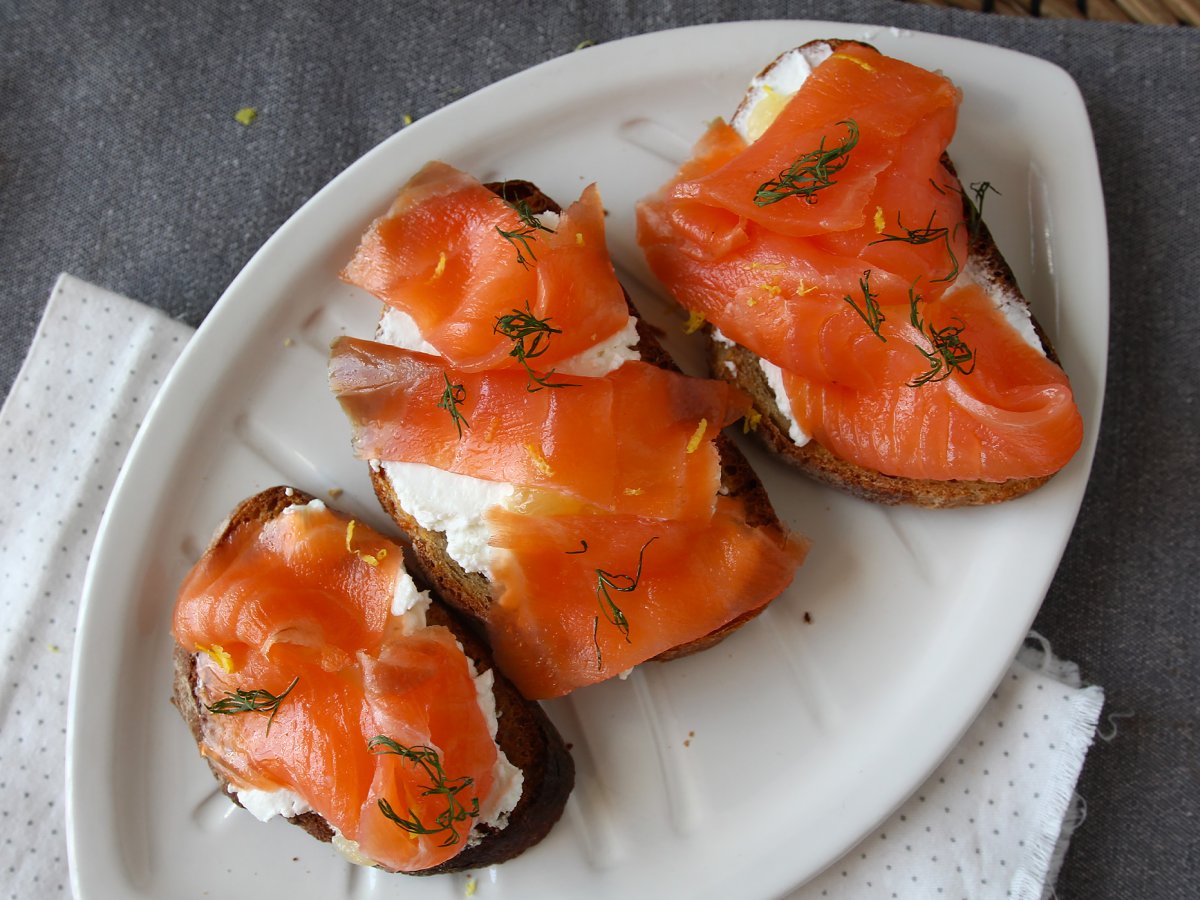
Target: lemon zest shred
{"points": [[694, 321], [858, 62], [493, 427], [697, 436], [801, 290], [246, 115], [471, 882], [579, 238], [371, 560], [634, 492], [439, 269], [539, 461], [219, 655], [880, 222], [407, 119], [750, 421]]}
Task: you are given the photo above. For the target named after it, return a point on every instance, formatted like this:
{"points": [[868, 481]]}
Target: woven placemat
{"points": [[1149, 12]]}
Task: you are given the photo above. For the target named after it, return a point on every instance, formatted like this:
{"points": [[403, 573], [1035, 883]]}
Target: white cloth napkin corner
{"points": [[991, 821]]}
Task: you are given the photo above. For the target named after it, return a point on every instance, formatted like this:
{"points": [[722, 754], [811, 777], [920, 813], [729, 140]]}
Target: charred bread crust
{"points": [[470, 592], [823, 465], [524, 732]]}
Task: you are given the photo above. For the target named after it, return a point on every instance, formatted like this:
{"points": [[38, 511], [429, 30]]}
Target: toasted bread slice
{"points": [[524, 733], [741, 366], [470, 592]]}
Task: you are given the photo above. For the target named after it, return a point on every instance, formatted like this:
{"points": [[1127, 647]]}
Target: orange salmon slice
{"points": [[635, 441], [581, 598], [824, 284], [441, 255], [299, 608]]}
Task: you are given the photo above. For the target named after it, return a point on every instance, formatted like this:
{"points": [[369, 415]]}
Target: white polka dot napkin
{"points": [[96, 361], [990, 822], [993, 820]]}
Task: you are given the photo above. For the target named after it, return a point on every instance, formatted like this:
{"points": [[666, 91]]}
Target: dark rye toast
{"points": [[524, 732], [470, 592], [739, 366]]}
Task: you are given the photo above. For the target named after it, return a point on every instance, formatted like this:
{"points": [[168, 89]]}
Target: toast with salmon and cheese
{"points": [[322, 685], [564, 484], [846, 280]]}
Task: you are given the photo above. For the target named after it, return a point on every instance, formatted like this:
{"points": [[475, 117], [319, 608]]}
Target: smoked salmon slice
{"points": [[581, 598], [458, 258], [313, 686], [637, 441], [838, 247], [609, 470], [1013, 418]]}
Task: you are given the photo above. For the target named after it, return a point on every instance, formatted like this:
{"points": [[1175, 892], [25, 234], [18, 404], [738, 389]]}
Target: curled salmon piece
{"points": [[637, 441], [316, 686], [840, 248], [581, 598], [457, 257]]}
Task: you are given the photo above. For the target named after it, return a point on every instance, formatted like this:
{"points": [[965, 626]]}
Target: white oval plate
{"points": [[739, 772]]}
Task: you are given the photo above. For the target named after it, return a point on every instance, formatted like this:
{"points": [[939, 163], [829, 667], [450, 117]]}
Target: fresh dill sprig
{"points": [[258, 701], [870, 311], [452, 396], [531, 338], [811, 172], [927, 235], [949, 354], [975, 205], [520, 238], [426, 758], [610, 581]]}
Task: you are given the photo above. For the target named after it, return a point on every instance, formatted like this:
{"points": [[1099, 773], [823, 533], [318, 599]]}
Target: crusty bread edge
{"points": [[524, 732], [820, 463]]}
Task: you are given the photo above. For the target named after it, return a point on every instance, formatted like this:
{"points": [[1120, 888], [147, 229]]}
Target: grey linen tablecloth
{"points": [[120, 162]]}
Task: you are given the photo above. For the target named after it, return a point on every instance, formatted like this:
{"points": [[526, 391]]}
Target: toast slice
{"points": [[741, 366], [524, 733], [470, 592]]}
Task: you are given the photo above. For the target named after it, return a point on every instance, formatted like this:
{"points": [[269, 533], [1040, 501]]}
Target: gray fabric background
{"points": [[120, 162]]}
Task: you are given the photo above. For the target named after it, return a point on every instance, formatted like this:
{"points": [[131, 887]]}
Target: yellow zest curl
{"points": [[854, 59], [539, 461], [369, 559], [217, 654], [750, 421], [439, 268], [693, 323], [697, 436]]}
